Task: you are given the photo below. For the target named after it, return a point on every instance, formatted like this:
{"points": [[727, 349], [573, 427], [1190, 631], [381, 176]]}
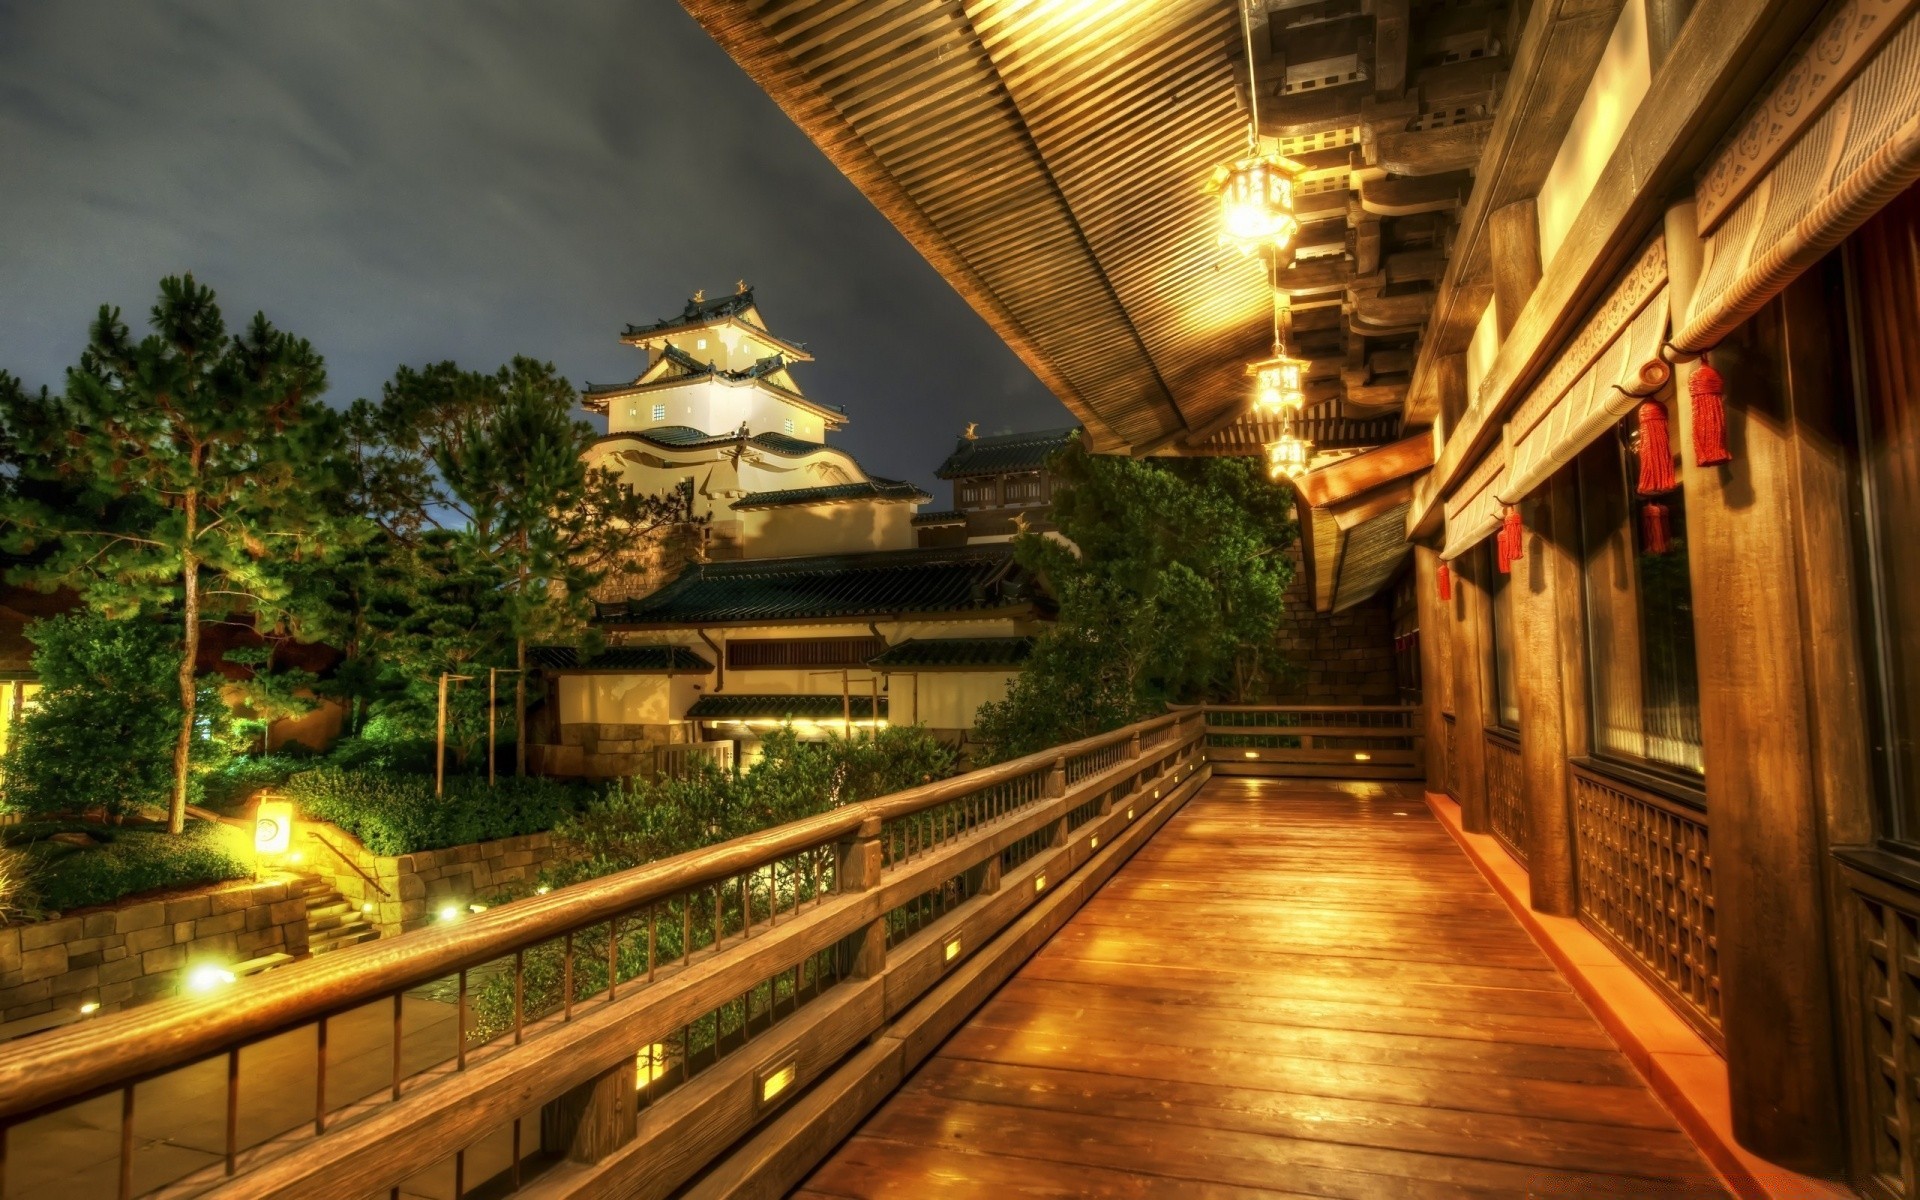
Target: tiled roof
{"points": [[697, 313], [955, 653], [782, 708], [873, 489], [685, 437], [655, 659], [1005, 452], [829, 586], [949, 516]]}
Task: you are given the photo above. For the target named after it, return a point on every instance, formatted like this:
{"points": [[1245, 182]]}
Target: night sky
{"points": [[427, 179]]}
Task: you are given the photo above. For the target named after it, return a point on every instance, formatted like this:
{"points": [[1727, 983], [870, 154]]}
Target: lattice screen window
{"points": [[1889, 940], [1022, 489], [774, 653]]}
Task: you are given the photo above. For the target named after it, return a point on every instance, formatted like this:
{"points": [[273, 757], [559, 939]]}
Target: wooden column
{"points": [[1513, 237], [1450, 381], [1749, 593], [1472, 684], [1545, 582], [1436, 638], [1664, 19]]}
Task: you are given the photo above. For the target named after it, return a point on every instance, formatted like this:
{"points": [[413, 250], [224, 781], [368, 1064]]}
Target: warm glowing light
{"points": [[1129, 814], [89, 1008], [542, 890], [1256, 201], [206, 977], [1040, 882], [953, 949], [774, 1083], [477, 908], [1362, 756], [1093, 843], [273, 827], [1253, 754], [650, 1064], [1279, 384], [450, 913], [1286, 456], [296, 856]]}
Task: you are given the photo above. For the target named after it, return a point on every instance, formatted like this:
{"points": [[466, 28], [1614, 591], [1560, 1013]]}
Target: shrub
{"points": [[395, 813], [126, 862], [246, 776], [101, 734]]}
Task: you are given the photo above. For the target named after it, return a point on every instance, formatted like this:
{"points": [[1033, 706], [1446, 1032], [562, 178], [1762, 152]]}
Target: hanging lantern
{"points": [[1256, 201], [1287, 456], [1279, 384]]}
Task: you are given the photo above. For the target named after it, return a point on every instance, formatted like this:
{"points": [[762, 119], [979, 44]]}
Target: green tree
{"points": [[178, 473], [101, 731], [493, 465], [1169, 585]]}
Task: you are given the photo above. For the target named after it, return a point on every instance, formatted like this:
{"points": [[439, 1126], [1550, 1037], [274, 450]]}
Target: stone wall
{"points": [[402, 892], [136, 953], [1339, 658]]}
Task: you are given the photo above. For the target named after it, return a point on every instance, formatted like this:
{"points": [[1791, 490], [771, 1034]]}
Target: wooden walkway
{"points": [[1296, 989]]}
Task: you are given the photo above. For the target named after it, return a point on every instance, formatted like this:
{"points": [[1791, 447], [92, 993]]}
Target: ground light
{"points": [[450, 913], [89, 1008], [207, 977]]}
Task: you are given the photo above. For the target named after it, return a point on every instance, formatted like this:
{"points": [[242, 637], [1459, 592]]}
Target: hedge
{"points": [[62, 877], [393, 813]]}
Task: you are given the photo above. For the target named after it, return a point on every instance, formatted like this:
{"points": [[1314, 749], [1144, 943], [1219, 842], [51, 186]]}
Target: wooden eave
{"points": [[1026, 610], [792, 351], [834, 418], [1049, 161], [1723, 54]]}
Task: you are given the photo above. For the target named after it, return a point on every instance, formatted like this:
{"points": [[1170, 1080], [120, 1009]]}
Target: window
{"points": [[765, 653], [1885, 273], [1022, 489], [976, 492], [1506, 694], [1640, 655], [659, 412]]}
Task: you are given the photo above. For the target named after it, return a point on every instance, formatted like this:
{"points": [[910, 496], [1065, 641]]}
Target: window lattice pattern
{"points": [[1888, 960], [1646, 884], [1506, 804], [1452, 776]]}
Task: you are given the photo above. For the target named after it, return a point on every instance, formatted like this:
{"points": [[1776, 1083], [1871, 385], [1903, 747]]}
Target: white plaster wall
{"points": [[946, 699], [617, 699], [1612, 97], [827, 529]]}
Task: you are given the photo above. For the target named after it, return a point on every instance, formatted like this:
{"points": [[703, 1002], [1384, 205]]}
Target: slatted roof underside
{"points": [[1049, 157]]}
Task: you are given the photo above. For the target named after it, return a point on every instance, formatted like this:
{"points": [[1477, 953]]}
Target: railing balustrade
{"points": [[614, 1036], [680, 760], [1319, 741]]}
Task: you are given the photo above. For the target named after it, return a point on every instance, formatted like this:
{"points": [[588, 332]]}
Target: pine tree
{"points": [[178, 473]]}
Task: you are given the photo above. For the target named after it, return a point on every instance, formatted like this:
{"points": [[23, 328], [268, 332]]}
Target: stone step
{"points": [[336, 939], [266, 962]]}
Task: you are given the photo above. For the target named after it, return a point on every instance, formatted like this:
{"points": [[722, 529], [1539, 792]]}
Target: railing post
{"points": [[1057, 787], [857, 866], [1133, 745], [594, 1119]]}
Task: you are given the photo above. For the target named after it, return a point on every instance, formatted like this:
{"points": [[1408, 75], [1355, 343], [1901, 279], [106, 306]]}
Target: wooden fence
{"points": [[1316, 741], [621, 1037]]}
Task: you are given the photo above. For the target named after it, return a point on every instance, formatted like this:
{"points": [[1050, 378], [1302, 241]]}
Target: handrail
{"points": [[67, 1065], [344, 857]]}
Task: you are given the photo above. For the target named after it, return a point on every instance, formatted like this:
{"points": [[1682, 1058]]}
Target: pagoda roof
{"points": [[1005, 452], [892, 490], [737, 309], [659, 659], [761, 707], [830, 587], [954, 654], [595, 396]]}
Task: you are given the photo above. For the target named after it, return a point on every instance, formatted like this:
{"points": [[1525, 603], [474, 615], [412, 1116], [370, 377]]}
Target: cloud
{"points": [[408, 181]]}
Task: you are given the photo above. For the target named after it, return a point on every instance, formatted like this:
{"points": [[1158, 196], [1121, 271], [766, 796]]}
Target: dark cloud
{"points": [[467, 179]]}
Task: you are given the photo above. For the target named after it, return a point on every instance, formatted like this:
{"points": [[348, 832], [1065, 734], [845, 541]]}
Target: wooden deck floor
{"points": [[1295, 989]]}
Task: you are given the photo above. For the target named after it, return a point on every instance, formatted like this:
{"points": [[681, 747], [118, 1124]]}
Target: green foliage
{"points": [[60, 877], [1170, 592], [101, 734], [393, 813], [178, 474]]}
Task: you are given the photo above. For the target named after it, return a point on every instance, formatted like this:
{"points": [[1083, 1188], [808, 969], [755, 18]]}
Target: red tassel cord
{"points": [[1656, 529], [1709, 417], [1656, 450], [1507, 546], [1445, 575]]}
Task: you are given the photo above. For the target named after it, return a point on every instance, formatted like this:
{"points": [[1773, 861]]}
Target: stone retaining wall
{"points": [[140, 952], [402, 892]]}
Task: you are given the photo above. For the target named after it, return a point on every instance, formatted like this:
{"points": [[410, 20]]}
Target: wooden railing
{"points": [[680, 760], [616, 1037], [1317, 741]]}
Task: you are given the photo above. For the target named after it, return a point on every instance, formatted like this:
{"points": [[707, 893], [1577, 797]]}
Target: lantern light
{"points": [[1256, 202], [1286, 456], [1280, 383], [272, 827]]}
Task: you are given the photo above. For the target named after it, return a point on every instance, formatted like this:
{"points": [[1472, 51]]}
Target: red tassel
{"points": [[1656, 450], [1507, 546], [1446, 583], [1656, 531], [1709, 417]]}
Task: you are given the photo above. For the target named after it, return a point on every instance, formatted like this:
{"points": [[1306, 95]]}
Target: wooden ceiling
{"points": [[1048, 157]]}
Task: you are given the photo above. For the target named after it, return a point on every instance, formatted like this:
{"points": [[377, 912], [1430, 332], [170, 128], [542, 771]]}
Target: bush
{"points": [[239, 780], [102, 732], [395, 813], [63, 877]]}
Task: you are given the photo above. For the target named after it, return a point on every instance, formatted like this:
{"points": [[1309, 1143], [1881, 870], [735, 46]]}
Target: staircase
{"points": [[333, 921]]}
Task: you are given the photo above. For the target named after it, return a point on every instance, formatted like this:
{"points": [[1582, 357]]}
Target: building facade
{"points": [[801, 594], [1001, 486]]}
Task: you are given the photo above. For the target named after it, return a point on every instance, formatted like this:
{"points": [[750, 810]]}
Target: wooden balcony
{"points": [[1114, 968]]}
